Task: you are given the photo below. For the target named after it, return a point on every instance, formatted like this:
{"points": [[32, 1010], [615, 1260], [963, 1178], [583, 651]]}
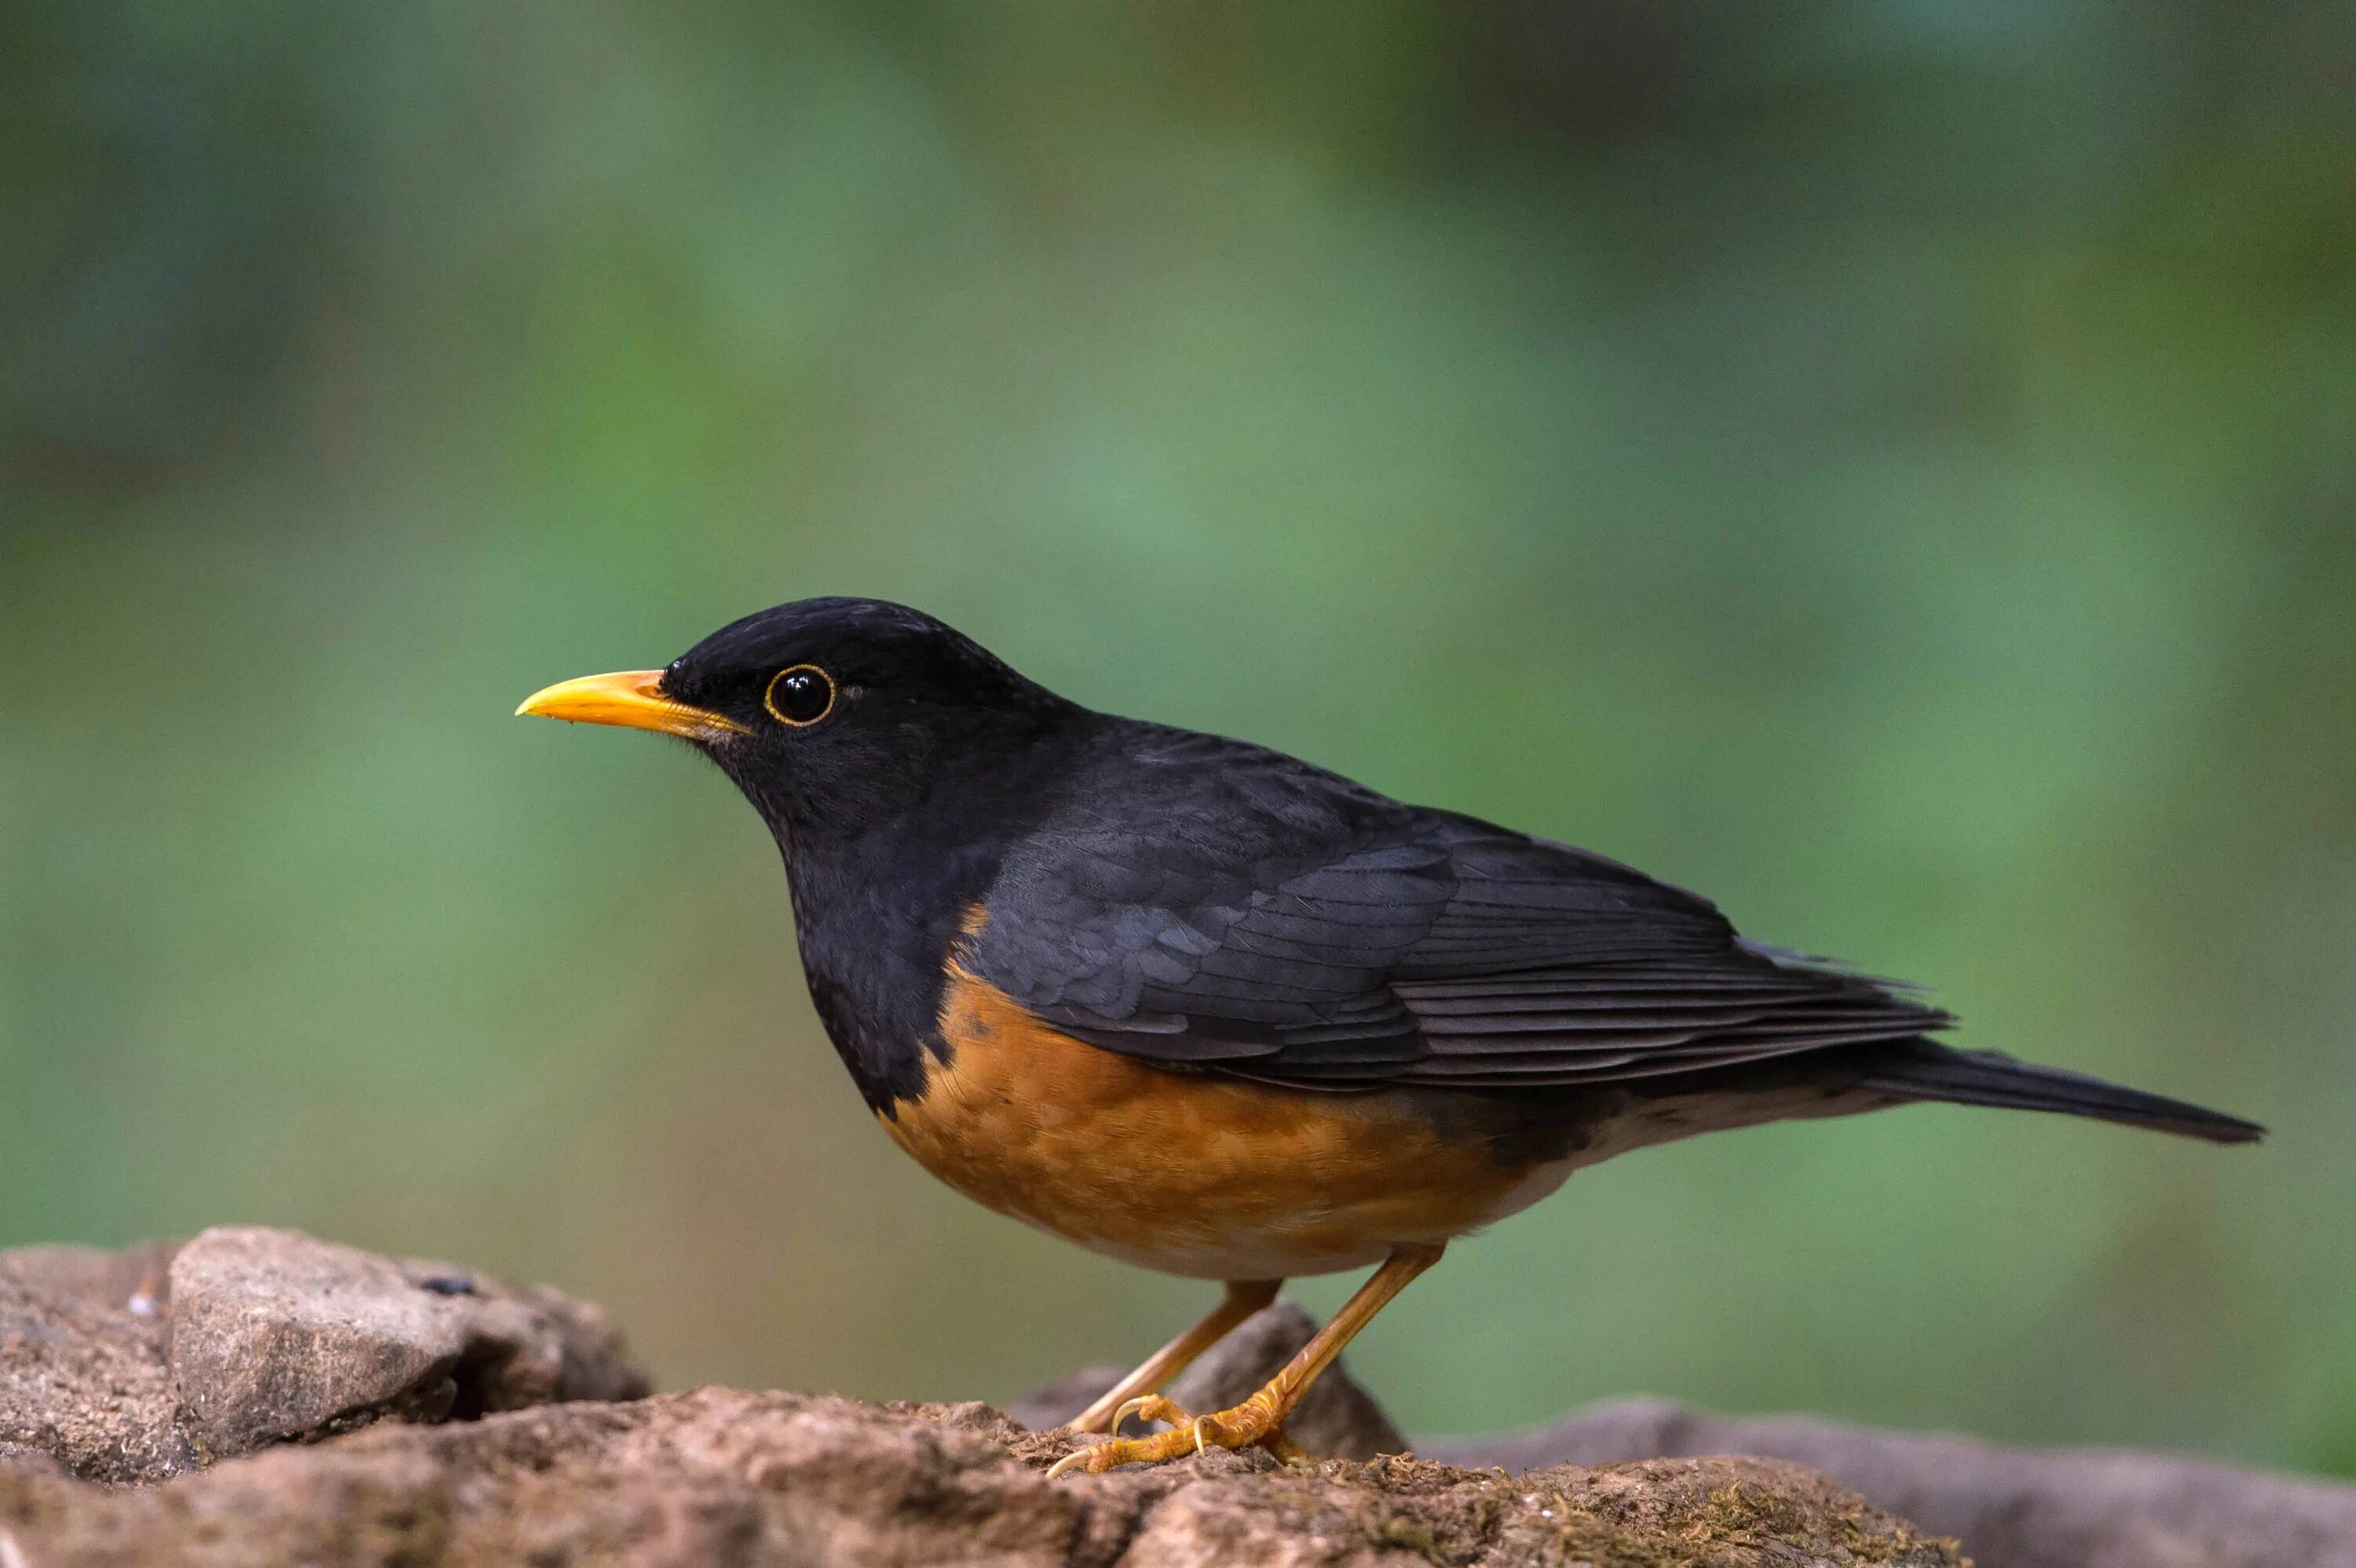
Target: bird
{"points": [[1201, 1007]]}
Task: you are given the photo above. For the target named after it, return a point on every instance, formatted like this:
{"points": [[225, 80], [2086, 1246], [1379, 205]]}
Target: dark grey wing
{"points": [[1210, 902], [1552, 966], [1229, 909]]}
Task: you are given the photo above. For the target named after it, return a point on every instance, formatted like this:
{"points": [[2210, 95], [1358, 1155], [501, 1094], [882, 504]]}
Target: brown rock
{"points": [[83, 1380], [2011, 1507], [275, 1336], [139, 1365], [752, 1479]]}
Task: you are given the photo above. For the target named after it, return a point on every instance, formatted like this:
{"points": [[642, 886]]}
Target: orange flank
{"points": [[1191, 1174]]}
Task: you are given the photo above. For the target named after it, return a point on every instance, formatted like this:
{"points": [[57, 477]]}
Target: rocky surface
{"points": [[718, 1477], [2011, 1507], [141, 1365], [310, 1404]]}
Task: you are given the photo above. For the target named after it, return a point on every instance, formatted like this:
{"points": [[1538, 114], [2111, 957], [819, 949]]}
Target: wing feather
{"points": [[1238, 911]]}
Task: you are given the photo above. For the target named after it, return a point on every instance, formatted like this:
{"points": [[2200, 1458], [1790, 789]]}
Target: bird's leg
{"points": [[1243, 1298], [1260, 1418]]}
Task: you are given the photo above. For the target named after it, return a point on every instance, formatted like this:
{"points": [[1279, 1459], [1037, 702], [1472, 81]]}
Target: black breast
{"points": [[875, 915]]}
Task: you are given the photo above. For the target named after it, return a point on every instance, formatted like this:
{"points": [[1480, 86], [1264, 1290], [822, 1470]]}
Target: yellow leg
{"points": [[1260, 1419], [1243, 1298]]}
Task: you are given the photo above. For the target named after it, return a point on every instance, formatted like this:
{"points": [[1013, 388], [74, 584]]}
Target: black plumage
{"points": [[1214, 906], [1195, 1004]]}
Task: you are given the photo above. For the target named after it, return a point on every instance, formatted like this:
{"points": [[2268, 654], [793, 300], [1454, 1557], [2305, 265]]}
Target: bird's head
{"points": [[830, 714]]}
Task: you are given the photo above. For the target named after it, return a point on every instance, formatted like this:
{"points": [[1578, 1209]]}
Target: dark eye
{"points": [[802, 695]]}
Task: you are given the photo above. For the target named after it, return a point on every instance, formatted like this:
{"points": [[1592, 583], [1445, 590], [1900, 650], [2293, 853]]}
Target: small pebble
{"points": [[448, 1284]]}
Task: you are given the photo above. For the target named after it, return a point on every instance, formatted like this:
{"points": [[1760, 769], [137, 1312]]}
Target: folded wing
{"points": [[1282, 924]]}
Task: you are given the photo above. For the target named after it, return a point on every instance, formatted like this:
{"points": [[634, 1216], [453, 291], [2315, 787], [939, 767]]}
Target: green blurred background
{"points": [[1889, 465]]}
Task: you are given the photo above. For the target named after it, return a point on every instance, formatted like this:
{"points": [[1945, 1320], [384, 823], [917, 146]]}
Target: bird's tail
{"points": [[1924, 1070]]}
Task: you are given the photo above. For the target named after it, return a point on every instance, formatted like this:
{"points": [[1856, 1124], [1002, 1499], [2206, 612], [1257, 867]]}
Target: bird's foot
{"points": [[1253, 1422]]}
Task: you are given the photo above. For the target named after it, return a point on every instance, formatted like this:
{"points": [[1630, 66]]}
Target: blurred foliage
{"points": [[1891, 466]]}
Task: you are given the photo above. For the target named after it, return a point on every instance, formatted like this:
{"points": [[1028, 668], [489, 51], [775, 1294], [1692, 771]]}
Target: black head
{"points": [[830, 714]]}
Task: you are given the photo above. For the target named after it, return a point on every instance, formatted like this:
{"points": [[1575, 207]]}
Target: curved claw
{"points": [[1116, 1450], [1075, 1460]]}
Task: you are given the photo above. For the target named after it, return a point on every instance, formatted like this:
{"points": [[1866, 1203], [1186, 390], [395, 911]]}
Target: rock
{"points": [[752, 1479], [140, 1365], [150, 1363], [275, 1336], [2010, 1507], [84, 1380], [1337, 1419]]}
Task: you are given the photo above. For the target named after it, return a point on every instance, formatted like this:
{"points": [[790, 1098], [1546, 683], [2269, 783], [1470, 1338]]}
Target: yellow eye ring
{"points": [[795, 710]]}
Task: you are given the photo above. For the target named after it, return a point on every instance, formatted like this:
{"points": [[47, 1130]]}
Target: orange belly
{"points": [[1191, 1174]]}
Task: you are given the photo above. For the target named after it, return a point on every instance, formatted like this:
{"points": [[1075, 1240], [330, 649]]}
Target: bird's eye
{"points": [[800, 695]]}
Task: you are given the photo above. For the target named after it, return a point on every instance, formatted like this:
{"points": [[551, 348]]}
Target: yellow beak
{"points": [[630, 697]]}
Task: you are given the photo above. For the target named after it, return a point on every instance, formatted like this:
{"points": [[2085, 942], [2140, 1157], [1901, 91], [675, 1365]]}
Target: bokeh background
{"points": [[1891, 466]]}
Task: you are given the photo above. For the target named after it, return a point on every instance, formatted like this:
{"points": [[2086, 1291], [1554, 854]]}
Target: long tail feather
{"points": [[1922, 1070]]}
